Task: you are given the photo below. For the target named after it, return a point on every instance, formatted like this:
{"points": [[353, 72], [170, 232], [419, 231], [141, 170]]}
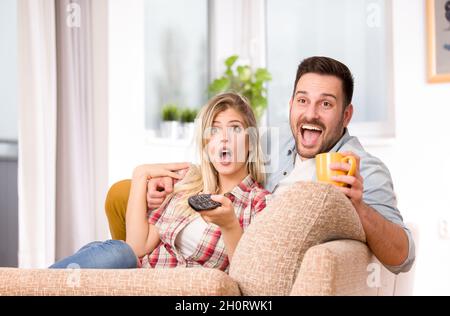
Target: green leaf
{"points": [[262, 75], [229, 62], [219, 85], [242, 79], [244, 72]]}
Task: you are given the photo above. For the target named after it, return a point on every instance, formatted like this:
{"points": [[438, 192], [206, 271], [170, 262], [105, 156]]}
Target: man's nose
{"points": [[311, 112]]}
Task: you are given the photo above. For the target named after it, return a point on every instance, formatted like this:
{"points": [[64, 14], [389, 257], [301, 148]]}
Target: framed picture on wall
{"points": [[438, 33]]}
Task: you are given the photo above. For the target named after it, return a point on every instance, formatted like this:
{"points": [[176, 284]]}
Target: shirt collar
{"points": [[341, 141], [242, 187]]}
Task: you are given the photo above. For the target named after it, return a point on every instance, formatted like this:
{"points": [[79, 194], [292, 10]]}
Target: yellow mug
{"points": [[323, 171]]}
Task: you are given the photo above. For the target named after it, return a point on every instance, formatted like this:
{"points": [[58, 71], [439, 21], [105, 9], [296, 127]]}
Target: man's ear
{"points": [[290, 102], [348, 113]]}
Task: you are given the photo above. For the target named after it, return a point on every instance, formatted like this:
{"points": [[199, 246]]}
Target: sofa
{"points": [[308, 241]]}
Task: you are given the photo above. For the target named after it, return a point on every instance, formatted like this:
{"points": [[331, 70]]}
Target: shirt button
{"points": [[289, 152], [284, 173]]}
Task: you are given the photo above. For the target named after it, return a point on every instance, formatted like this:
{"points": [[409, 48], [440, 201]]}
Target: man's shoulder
{"points": [[370, 165]]}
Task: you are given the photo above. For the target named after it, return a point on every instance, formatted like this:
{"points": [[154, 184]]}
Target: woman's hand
{"points": [[223, 216], [149, 171], [226, 219]]}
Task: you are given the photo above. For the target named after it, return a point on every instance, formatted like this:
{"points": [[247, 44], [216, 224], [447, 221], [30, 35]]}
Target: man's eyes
{"points": [[327, 104]]}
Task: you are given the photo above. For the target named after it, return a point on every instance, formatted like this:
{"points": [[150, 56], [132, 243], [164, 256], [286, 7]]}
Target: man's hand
{"points": [[355, 188], [159, 187]]}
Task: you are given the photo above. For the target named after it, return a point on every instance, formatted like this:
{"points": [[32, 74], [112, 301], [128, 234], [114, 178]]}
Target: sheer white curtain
{"points": [[237, 27], [37, 132], [60, 177]]}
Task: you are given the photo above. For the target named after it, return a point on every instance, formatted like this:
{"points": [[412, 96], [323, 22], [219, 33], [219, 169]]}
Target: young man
{"points": [[320, 111]]}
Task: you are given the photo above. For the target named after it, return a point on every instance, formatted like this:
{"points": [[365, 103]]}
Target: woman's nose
{"points": [[225, 135]]}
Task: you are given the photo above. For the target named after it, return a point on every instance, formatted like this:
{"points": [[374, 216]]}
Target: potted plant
{"points": [[187, 118], [170, 125], [243, 80]]}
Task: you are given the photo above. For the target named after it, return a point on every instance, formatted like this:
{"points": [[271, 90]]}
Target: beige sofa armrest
{"points": [[177, 281], [336, 268]]}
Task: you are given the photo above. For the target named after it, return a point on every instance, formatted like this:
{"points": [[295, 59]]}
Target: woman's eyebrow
{"points": [[235, 121]]}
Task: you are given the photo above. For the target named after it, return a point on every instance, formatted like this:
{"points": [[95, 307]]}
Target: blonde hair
{"points": [[205, 178]]}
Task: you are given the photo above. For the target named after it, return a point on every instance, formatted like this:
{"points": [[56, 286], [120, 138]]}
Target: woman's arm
{"points": [[226, 219], [231, 236], [141, 236]]}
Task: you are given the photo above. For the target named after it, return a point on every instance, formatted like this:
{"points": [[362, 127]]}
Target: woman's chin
{"points": [[225, 168]]}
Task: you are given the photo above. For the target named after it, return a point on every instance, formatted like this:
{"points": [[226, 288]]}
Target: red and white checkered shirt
{"points": [[248, 198]]}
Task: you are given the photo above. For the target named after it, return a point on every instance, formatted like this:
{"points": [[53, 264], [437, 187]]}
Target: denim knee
{"points": [[111, 254]]}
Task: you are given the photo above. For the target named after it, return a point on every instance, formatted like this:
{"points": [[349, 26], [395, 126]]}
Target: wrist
{"points": [[362, 209], [139, 173], [231, 226]]}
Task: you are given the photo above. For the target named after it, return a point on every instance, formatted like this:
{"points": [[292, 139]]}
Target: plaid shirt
{"points": [[248, 198]]}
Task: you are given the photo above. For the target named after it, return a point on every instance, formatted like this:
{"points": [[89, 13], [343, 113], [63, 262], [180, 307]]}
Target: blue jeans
{"points": [[111, 254]]}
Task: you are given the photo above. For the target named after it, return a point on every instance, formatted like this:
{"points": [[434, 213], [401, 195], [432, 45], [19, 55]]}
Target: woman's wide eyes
{"points": [[214, 130], [237, 129], [234, 129]]}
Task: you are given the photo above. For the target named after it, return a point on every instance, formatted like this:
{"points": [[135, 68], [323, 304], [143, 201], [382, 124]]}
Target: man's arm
{"points": [[387, 240]]}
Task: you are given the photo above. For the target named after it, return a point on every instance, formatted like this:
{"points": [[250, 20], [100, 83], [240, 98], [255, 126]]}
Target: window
{"points": [[355, 32], [176, 56], [8, 75]]}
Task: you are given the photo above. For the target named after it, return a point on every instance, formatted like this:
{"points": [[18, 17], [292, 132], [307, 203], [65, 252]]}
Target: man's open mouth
{"points": [[310, 134]]}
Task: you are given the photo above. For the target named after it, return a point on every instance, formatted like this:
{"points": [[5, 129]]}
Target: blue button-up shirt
{"points": [[378, 187]]}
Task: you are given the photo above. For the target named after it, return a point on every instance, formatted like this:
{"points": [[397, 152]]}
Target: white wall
{"points": [[418, 157], [423, 130], [8, 66]]}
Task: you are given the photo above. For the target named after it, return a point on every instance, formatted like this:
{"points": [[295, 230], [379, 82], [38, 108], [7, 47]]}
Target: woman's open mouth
{"points": [[225, 156]]}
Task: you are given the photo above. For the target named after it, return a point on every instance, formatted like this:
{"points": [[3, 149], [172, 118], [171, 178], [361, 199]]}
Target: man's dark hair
{"points": [[331, 67]]}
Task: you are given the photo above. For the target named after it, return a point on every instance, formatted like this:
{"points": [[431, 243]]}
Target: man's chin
{"points": [[308, 152]]}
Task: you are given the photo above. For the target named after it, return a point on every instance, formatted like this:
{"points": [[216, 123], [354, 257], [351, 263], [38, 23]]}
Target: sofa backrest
{"points": [[269, 254]]}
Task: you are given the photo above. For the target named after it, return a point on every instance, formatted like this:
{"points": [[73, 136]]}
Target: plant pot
{"points": [[170, 129], [188, 130]]}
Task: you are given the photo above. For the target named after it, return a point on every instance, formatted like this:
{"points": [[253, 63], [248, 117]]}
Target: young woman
{"points": [[174, 235]]}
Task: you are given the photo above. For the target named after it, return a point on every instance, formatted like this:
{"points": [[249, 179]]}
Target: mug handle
{"points": [[352, 161]]}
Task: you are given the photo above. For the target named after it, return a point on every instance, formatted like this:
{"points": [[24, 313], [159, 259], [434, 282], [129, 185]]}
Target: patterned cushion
{"points": [[176, 281], [269, 254]]}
